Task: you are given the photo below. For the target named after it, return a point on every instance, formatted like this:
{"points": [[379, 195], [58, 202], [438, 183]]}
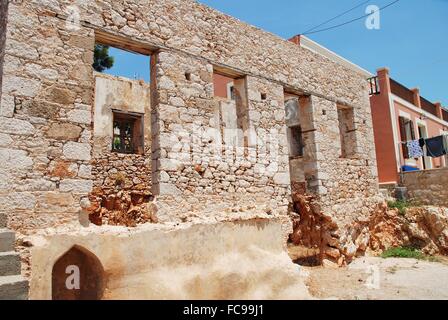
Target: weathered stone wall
{"points": [[122, 94], [342, 191], [231, 260], [45, 123], [48, 100], [428, 187], [193, 170], [117, 177], [3, 17]]}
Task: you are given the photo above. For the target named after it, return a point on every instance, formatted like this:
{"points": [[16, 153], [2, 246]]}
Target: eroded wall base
{"points": [[337, 243], [230, 260]]}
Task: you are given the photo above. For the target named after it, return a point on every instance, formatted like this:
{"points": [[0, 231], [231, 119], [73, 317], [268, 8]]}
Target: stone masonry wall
{"points": [[47, 105], [3, 17], [335, 194], [118, 179], [45, 123], [192, 168], [347, 186], [429, 187]]}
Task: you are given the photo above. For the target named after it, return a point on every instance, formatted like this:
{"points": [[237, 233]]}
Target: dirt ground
{"points": [[373, 278]]}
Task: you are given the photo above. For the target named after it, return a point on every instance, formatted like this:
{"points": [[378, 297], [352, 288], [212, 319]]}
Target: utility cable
{"points": [[353, 20], [338, 16]]}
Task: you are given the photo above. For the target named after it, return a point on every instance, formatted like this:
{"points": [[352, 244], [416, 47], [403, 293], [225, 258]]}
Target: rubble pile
{"points": [[424, 228], [125, 208]]}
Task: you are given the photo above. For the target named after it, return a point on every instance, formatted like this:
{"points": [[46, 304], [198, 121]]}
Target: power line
{"points": [[348, 22], [338, 16]]}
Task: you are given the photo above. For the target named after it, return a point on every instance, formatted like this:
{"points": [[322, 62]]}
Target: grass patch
{"points": [[407, 252], [401, 205]]}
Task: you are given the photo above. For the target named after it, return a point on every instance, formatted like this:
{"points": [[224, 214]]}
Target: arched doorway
{"points": [[77, 275]]}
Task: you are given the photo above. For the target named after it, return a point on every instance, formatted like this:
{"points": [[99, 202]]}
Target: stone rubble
{"points": [[424, 228]]}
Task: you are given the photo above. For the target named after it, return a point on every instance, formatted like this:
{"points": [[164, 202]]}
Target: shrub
{"points": [[401, 205], [404, 252], [120, 179]]}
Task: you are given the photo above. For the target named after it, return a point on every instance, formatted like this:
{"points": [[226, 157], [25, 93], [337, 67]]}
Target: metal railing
{"points": [[428, 106], [400, 90]]}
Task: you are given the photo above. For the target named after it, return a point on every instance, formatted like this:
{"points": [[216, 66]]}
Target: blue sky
{"points": [[412, 40], [129, 65]]}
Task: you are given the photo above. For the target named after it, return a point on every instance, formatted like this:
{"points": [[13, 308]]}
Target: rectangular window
{"points": [[231, 93], [347, 131], [127, 133], [407, 133], [297, 119], [295, 141], [230, 90]]}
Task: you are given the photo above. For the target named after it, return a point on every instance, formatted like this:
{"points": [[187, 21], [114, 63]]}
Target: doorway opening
{"points": [[77, 275]]}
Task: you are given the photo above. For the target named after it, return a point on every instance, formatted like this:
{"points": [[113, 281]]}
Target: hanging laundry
{"points": [[422, 142], [445, 143], [414, 149], [434, 147]]}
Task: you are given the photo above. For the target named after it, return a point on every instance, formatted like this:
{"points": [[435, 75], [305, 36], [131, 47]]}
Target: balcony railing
{"points": [[428, 106], [400, 90], [445, 114], [374, 86]]}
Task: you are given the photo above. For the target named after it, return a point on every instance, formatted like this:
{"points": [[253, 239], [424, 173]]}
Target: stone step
{"points": [[10, 263], [7, 238], [13, 288]]}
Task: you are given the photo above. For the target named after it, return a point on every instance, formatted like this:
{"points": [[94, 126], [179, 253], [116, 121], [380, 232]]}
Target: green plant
{"points": [[101, 59], [404, 252], [401, 205], [120, 179]]}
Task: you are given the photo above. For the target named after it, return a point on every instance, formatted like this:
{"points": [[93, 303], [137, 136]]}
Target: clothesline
{"points": [[443, 134], [434, 147]]}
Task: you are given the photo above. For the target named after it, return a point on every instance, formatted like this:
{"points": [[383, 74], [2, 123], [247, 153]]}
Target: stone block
{"points": [[7, 238], [77, 151], [169, 189], [41, 109], [16, 126], [9, 263], [15, 159], [5, 140], [20, 86], [64, 131], [282, 178], [60, 95], [17, 201], [80, 116], [76, 186], [7, 106], [13, 288]]}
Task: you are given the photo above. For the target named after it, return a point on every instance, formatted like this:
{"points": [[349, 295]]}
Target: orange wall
{"points": [[383, 131], [385, 143], [220, 85]]}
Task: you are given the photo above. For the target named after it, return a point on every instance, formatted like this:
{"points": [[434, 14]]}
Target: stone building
{"points": [[78, 147]]}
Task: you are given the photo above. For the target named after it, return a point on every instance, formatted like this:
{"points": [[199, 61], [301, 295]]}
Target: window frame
{"points": [[407, 132], [136, 122], [231, 91], [347, 132], [296, 144]]}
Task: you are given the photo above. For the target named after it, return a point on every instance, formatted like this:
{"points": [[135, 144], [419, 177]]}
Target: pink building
{"points": [[399, 115]]}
